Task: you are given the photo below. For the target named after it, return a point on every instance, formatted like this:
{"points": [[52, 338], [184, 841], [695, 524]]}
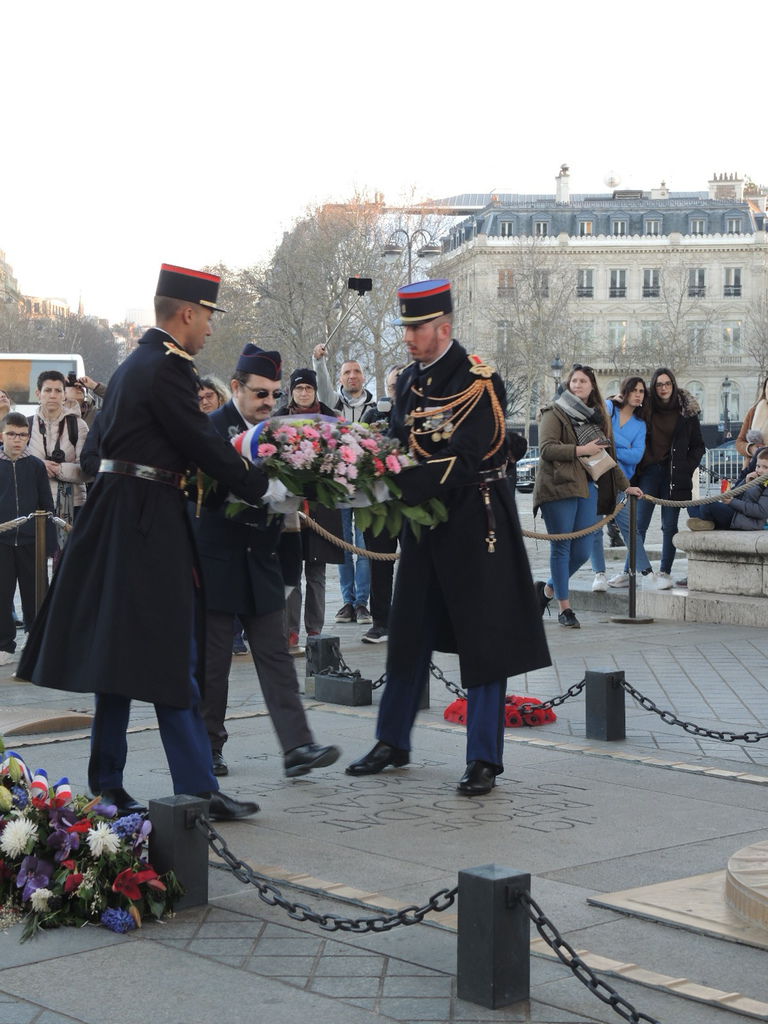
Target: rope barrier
{"points": [[12, 524], [377, 556]]}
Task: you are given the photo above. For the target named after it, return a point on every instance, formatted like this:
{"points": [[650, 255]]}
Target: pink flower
{"points": [[348, 453], [393, 464], [265, 450], [369, 444], [311, 433]]}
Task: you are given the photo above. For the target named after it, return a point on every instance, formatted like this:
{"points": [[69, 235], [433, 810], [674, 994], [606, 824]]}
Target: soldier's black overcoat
{"points": [[119, 615], [488, 614]]}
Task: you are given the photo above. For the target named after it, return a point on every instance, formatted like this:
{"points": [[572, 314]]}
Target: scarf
{"points": [[586, 422], [760, 418], [296, 411]]}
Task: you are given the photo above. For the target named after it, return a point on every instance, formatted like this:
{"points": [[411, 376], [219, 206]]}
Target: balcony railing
{"points": [[617, 292], [650, 291], [584, 292], [696, 291], [732, 291]]}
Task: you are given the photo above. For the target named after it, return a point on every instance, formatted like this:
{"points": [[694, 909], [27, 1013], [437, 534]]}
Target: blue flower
{"points": [[33, 874], [118, 920], [20, 797], [128, 826]]}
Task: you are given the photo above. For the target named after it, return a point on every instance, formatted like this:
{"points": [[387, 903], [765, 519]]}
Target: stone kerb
{"points": [[727, 561], [727, 576]]}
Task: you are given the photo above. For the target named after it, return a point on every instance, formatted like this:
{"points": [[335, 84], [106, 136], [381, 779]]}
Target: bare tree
{"points": [[532, 314], [756, 334]]}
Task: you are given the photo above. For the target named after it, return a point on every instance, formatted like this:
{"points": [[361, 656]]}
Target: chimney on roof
{"points": [[562, 185], [726, 186]]}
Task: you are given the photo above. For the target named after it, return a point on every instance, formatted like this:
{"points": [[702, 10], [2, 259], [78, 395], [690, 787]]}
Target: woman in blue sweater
{"points": [[629, 430]]}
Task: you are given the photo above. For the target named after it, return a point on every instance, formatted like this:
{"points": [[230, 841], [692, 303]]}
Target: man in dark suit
{"points": [[242, 576], [464, 586], [122, 618]]}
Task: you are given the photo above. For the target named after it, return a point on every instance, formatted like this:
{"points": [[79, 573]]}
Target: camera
{"points": [[71, 379], [57, 455]]}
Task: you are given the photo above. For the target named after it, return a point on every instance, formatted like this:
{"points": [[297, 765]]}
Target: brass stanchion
{"points": [[41, 558]]}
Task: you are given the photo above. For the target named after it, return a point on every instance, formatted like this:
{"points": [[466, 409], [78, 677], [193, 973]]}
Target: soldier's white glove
{"points": [[380, 491], [279, 498]]}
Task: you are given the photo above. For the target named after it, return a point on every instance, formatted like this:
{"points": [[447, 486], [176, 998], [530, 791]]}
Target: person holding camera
{"points": [[57, 437]]}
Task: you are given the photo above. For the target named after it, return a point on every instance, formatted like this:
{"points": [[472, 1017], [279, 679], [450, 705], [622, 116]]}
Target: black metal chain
{"points": [[554, 702], [271, 895], [568, 955], [442, 678], [697, 730]]}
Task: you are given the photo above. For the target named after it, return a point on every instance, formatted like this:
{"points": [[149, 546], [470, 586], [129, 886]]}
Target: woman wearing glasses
{"points": [[673, 450], [575, 425]]}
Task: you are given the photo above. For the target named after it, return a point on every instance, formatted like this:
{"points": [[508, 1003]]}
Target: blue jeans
{"points": [[654, 480], [567, 515], [719, 512], [355, 571]]}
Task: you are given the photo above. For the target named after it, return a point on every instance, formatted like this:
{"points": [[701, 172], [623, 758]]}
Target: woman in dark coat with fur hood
{"points": [[673, 450]]}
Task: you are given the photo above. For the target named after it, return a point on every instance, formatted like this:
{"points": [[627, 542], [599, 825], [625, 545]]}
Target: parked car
{"points": [[526, 472]]}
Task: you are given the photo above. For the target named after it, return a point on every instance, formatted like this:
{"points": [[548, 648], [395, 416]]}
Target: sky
{"points": [[196, 133]]}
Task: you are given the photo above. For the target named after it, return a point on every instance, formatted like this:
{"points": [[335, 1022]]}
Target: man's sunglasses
{"points": [[263, 393]]}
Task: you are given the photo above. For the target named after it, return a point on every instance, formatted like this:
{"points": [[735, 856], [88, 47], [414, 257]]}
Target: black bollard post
{"points": [[632, 617], [323, 655], [493, 947], [176, 844], [604, 705]]}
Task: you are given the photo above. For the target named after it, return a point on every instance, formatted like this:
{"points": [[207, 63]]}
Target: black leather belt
{"points": [[159, 476], [489, 476]]}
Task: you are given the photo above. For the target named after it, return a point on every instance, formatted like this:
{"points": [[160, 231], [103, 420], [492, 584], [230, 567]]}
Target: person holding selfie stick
{"points": [[575, 426]]}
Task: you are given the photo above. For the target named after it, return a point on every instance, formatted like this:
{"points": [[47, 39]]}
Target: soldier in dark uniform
{"points": [[465, 586], [123, 617]]}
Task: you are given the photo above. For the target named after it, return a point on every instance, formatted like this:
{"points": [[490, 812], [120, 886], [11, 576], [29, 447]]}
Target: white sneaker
{"points": [[651, 579], [664, 581], [620, 582], [6, 657], [599, 583]]}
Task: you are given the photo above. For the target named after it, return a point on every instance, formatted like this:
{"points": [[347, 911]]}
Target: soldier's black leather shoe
{"points": [[220, 766], [226, 808], [122, 800], [478, 779], [379, 758], [301, 760]]}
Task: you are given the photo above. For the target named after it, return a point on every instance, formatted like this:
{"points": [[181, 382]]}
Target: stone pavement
{"points": [[585, 818]]}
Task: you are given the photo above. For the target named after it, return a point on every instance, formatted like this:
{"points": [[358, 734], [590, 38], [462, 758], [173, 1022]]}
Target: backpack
{"points": [[71, 421]]}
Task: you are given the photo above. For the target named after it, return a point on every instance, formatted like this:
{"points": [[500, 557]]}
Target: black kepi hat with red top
{"points": [[423, 301], [189, 286]]}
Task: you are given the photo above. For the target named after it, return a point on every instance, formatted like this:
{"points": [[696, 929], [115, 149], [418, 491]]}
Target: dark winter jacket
{"points": [[687, 449], [23, 489]]}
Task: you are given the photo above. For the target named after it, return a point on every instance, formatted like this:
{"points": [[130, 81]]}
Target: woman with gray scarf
{"points": [[575, 425]]}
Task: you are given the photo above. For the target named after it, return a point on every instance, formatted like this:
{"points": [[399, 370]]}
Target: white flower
{"points": [[102, 840], [16, 836], [39, 899]]}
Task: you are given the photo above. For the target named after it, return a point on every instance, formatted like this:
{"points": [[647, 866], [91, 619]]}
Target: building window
{"points": [[697, 283], [653, 227], [618, 286], [617, 336], [696, 388], [507, 229], [650, 332], [732, 338], [585, 227], [697, 337], [698, 225], [619, 227], [506, 283], [584, 284], [651, 283], [733, 225], [584, 332], [503, 337], [541, 284], [732, 288], [540, 228]]}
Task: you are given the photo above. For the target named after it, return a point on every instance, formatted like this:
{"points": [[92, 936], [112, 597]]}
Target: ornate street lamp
{"points": [[394, 249], [725, 387], [556, 366]]}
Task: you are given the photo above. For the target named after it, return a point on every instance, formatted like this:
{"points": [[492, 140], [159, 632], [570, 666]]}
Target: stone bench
{"points": [[727, 576]]}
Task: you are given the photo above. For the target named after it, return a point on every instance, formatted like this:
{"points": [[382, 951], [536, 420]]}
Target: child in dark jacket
{"points": [[749, 511], [23, 489]]}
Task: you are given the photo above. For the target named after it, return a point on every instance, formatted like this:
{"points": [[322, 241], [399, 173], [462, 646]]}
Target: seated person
{"points": [[748, 511]]}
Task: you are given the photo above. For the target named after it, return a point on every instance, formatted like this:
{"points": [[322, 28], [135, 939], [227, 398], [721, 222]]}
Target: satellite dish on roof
{"points": [[612, 179]]}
